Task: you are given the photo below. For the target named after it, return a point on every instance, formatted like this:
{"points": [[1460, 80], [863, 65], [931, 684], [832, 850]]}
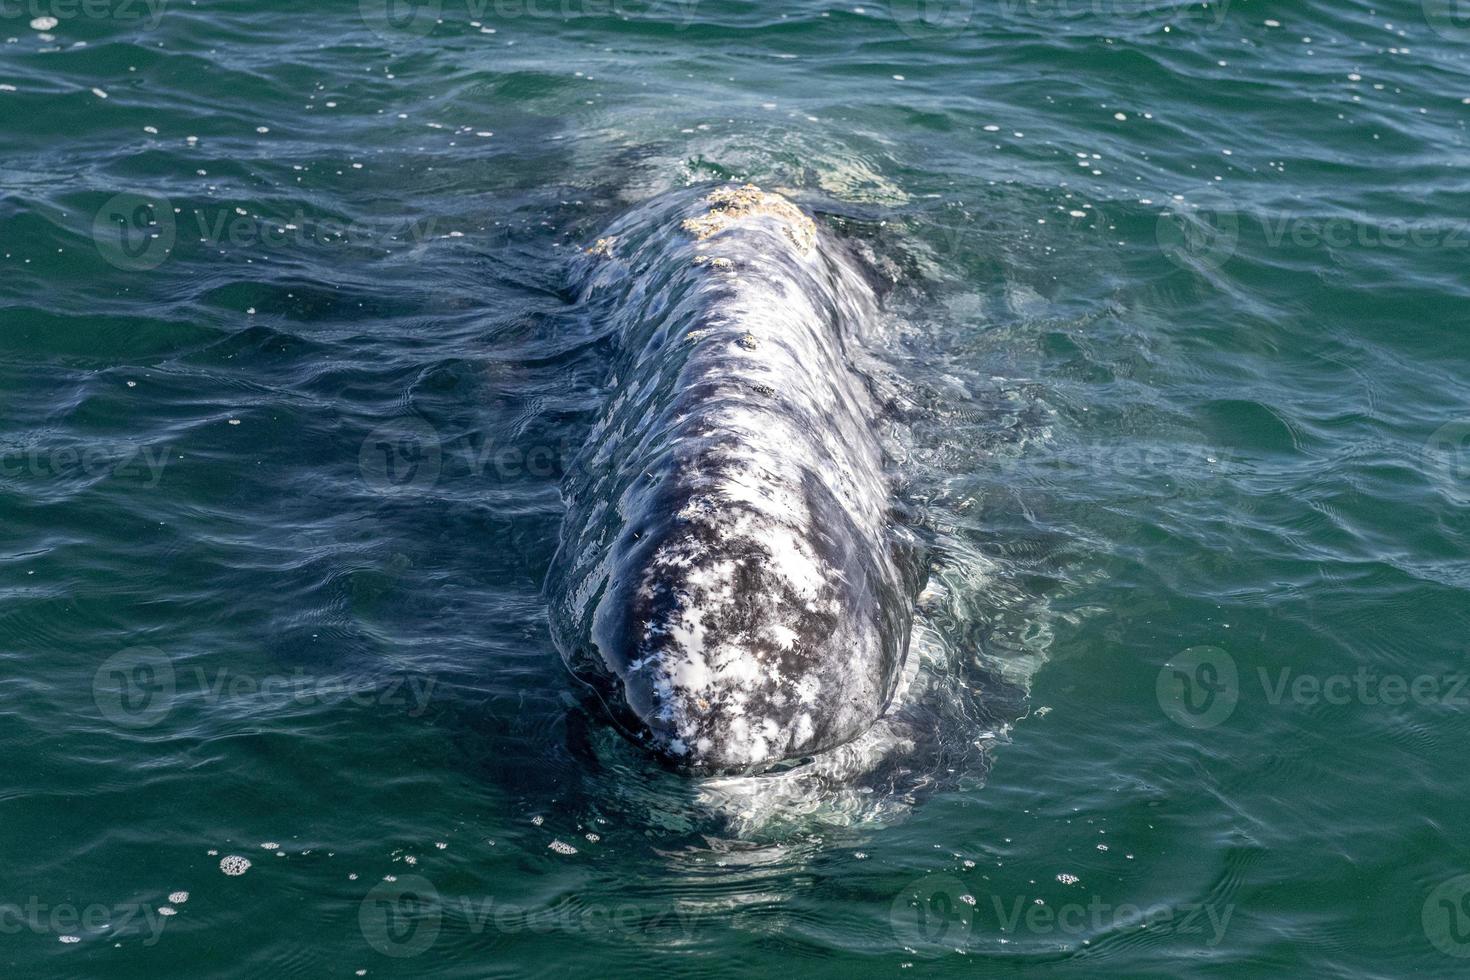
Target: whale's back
{"points": [[727, 577]]}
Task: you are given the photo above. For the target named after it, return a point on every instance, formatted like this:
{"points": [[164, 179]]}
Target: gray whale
{"points": [[730, 578]]}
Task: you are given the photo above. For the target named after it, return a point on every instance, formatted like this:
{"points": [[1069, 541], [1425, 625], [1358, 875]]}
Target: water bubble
{"points": [[234, 865]]}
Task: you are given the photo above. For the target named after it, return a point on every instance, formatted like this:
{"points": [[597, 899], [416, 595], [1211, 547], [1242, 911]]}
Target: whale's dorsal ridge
{"points": [[725, 573]]}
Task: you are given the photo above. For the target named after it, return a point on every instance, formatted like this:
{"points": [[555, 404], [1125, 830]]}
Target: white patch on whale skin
{"points": [[781, 635], [744, 397], [832, 787]]}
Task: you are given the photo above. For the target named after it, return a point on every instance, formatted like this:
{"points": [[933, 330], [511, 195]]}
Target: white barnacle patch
{"points": [[730, 205]]}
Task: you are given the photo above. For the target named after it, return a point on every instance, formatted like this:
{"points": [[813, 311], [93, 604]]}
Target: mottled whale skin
{"points": [[730, 578]]}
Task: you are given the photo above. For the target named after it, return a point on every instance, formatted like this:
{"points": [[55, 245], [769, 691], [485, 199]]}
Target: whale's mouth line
{"points": [[729, 580], [635, 731]]}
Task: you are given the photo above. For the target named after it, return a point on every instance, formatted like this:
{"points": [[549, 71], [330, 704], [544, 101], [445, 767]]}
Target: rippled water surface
{"points": [[292, 369]]}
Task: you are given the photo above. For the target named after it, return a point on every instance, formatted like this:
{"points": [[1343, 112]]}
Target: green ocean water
{"points": [[290, 372]]}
